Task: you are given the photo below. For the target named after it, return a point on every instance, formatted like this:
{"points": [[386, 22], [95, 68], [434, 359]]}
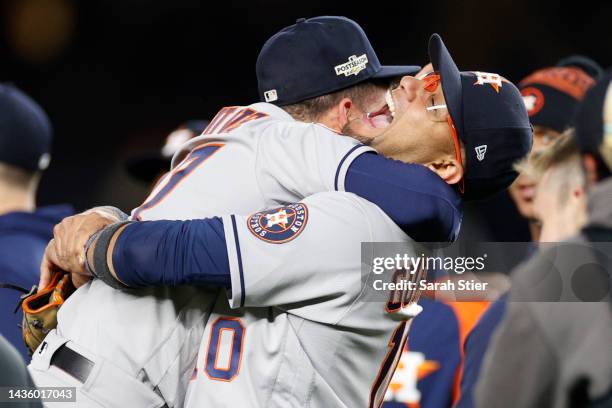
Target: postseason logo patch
{"points": [[280, 224], [354, 66]]}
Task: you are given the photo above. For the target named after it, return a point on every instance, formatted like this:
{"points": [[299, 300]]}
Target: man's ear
{"points": [[344, 110], [338, 115], [448, 169]]}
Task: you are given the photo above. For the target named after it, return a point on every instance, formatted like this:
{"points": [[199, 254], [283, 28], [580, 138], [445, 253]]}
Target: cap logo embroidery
{"points": [[495, 80], [271, 95], [533, 99], [480, 152], [354, 65]]}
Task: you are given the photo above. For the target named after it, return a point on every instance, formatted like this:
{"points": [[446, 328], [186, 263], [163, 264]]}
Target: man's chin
{"points": [[383, 138]]}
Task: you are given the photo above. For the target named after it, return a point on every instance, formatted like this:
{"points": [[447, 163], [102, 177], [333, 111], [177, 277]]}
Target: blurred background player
{"points": [[149, 167], [551, 97], [562, 348], [25, 145], [560, 202]]}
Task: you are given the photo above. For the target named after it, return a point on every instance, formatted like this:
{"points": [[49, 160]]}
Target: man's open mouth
{"points": [[380, 118], [390, 103]]}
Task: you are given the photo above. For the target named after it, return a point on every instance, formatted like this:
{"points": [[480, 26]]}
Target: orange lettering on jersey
{"points": [[219, 118], [230, 118], [241, 118]]}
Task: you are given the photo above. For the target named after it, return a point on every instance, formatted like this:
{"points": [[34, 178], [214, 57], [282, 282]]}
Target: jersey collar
{"points": [[278, 113]]}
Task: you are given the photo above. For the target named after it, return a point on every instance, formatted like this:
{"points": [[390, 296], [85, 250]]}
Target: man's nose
{"points": [[411, 86]]}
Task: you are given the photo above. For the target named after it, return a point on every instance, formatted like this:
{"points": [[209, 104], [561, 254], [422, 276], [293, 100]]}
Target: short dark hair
{"points": [[312, 109]]}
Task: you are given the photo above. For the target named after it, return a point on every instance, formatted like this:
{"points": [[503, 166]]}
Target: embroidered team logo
{"points": [[480, 152], [280, 224], [354, 65], [534, 100], [495, 80], [271, 95]]}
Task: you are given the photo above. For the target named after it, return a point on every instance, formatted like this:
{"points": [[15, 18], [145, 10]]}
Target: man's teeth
{"points": [[389, 100]]}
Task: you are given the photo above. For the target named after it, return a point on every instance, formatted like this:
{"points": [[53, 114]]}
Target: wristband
{"points": [[100, 266]]}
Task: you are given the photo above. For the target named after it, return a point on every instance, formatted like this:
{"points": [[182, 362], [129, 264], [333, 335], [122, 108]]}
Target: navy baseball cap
{"points": [[25, 131], [552, 94], [318, 56], [490, 118]]}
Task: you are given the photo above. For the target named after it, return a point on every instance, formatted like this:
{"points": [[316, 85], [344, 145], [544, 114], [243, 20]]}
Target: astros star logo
{"points": [[530, 101], [412, 367], [279, 225], [495, 80], [533, 99], [279, 218]]}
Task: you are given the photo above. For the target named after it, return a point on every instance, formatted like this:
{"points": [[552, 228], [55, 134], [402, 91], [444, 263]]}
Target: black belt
{"points": [[72, 363]]}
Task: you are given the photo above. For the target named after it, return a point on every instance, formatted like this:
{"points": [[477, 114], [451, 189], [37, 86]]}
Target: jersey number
{"points": [[171, 180], [225, 349]]}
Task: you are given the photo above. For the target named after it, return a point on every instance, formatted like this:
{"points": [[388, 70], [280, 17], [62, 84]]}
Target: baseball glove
{"points": [[40, 309]]}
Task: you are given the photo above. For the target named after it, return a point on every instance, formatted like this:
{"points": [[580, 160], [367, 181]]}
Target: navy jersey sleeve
{"points": [[423, 205], [476, 346], [160, 253]]}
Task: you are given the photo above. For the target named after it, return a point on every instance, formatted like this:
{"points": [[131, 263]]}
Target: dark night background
{"points": [[116, 76]]}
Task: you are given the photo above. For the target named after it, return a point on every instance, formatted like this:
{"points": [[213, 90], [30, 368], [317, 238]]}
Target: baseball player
{"points": [[293, 272], [551, 96], [267, 158], [25, 146]]}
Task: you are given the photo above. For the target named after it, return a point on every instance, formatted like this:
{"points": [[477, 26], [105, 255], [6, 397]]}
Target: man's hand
{"points": [[66, 251]]}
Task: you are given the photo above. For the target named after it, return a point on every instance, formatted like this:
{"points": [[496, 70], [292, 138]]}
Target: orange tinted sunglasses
{"points": [[431, 85]]}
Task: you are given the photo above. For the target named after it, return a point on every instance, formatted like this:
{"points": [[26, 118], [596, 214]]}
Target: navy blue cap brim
{"points": [[450, 78], [485, 117], [388, 71]]}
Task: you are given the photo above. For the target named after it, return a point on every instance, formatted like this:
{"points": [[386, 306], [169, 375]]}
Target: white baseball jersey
{"points": [[249, 158], [303, 334]]}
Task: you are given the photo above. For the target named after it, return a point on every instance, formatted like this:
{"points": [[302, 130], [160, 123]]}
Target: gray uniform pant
{"points": [[106, 385]]}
